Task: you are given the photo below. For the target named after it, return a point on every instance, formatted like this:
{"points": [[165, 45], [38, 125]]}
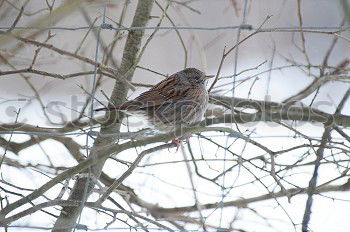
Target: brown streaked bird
{"points": [[179, 100]]}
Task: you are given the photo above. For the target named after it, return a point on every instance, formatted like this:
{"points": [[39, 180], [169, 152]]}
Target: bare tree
{"points": [[231, 164]]}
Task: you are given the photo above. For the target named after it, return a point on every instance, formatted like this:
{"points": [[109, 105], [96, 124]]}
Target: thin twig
{"points": [[225, 54]]}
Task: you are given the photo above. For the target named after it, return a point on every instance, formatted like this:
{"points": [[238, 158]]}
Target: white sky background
{"points": [[168, 185]]}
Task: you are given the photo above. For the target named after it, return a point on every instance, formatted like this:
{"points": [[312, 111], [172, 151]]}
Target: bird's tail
{"points": [[107, 109], [126, 106]]}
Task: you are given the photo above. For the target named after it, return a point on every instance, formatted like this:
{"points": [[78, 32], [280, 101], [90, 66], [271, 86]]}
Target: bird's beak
{"points": [[208, 77]]}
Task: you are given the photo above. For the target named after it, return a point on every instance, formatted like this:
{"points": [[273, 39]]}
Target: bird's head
{"points": [[194, 76]]}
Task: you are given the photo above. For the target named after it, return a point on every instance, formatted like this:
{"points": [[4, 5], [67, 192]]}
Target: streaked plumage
{"points": [[180, 99]]}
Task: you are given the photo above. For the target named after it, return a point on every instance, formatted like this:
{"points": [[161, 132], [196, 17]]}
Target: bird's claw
{"points": [[177, 142]]}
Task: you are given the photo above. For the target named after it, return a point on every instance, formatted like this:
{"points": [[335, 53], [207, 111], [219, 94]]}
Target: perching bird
{"points": [[179, 100]]}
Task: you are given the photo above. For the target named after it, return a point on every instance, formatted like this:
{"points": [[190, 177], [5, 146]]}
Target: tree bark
{"points": [[85, 183]]}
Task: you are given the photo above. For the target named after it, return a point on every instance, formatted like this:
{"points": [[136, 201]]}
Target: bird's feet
{"points": [[177, 142]]}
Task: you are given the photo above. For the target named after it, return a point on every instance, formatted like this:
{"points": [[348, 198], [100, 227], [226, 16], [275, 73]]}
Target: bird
{"points": [[179, 100]]}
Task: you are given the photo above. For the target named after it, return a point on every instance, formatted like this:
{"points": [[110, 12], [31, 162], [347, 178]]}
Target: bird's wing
{"points": [[167, 90], [164, 91]]}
